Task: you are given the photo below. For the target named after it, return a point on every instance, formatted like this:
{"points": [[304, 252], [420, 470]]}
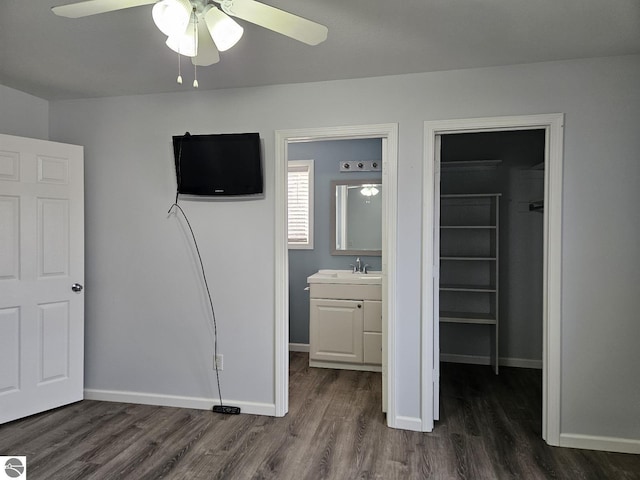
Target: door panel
{"points": [[53, 237], [54, 341], [41, 256], [336, 330], [9, 237], [372, 348], [9, 349], [372, 316]]}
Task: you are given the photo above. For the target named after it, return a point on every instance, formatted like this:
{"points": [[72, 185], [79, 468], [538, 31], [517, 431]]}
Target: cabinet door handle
{"points": [[359, 306]]}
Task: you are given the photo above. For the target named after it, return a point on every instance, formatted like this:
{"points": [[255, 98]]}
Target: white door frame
{"points": [[389, 135], [553, 124]]}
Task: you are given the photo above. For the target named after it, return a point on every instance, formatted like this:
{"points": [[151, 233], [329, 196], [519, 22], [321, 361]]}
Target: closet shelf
{"points": [[468, 318], [468, 227], [471, 165], [467, 288], [481, 259], [470, 195]]}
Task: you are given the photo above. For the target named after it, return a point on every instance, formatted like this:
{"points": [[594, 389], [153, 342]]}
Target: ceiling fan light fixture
{"points": [[207, 51], [185, 43], [172, 16], [178, 20], [223, 29]]}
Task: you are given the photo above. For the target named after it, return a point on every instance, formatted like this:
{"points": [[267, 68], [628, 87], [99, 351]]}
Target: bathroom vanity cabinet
{"points": [[345, 328]]}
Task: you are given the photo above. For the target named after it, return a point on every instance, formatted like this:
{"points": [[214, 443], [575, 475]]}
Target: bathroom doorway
{"points": [[318, 173], [386, 135]]}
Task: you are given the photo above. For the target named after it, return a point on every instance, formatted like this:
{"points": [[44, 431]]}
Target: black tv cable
{"points": [[216, 408]]}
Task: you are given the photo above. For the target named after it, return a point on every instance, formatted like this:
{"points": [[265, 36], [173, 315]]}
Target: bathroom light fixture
{"points": [[369, 190]]}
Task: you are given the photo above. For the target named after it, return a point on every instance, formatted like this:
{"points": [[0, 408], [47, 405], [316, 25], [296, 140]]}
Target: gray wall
{"points": [[145, 315], [521, 238], [302, 263], [23, 115]]}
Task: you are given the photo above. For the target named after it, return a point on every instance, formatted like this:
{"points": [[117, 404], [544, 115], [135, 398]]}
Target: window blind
{"points": [[299, 191]]}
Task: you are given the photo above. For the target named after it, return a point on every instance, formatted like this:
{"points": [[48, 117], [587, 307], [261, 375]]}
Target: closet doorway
{"points": [[463, 276], [491, 232]]}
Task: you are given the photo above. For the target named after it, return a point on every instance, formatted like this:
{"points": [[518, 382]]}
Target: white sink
{"points": [[346, 276]]}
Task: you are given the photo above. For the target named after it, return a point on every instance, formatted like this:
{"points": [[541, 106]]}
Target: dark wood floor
{"points": [[490, 429]]}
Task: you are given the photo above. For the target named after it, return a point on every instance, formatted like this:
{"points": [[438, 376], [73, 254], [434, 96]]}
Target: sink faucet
{"points": [[358, 267]]}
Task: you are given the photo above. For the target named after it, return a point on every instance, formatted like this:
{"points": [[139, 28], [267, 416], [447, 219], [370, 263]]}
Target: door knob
{"points": [[76, 287]]}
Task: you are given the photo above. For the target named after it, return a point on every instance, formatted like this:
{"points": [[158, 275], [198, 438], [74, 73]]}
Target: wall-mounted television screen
{"points": [[218, 165]]}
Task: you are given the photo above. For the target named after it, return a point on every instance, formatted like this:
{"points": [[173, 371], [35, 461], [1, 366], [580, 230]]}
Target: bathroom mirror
{"points": [[356, 217]]}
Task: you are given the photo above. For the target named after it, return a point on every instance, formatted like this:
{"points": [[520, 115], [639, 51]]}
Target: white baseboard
{"points": [[485, 360], [607, 444], [408, 423], [470, 359], [299, 347], [454, 358], [199, 403], [520, 362]]}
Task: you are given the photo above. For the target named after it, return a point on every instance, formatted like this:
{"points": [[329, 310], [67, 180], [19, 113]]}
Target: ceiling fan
{"points": [[201, 28]]}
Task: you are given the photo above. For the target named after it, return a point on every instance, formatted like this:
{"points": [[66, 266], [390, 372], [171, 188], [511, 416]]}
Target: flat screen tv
{"points": [[218, 165]]}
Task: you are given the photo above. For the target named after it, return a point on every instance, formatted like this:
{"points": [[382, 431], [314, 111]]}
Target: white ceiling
{"points": [[123, 53]]}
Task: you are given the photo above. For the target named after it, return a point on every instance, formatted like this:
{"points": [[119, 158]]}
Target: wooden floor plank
{"points": [[490, 428]]}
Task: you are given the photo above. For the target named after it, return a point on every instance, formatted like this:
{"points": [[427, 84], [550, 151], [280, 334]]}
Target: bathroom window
{"points": [[300, 204]]}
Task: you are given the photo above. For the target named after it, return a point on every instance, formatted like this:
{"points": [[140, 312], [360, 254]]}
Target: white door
{"points": [[436, 281], [41, 258]]}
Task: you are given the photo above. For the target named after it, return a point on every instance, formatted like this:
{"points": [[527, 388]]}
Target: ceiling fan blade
{"points": [[286, 23], [207, 51], [93, 7]]}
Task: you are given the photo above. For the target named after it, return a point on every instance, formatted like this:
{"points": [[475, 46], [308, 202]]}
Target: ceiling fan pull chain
{"points": [[179, 80], [195, 48]]}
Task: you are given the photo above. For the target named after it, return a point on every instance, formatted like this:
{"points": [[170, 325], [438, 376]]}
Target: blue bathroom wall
{"points": [[302, 263]]}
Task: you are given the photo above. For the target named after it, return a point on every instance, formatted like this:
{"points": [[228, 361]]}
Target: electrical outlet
{"points": [[217, 361]]}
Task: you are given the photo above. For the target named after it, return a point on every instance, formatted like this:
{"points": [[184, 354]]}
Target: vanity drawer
{"points": [[345, 292], [373, 316], [372, 348]]}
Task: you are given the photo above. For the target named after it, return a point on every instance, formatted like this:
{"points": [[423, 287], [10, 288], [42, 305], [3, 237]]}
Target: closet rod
{"points": [[536, 207]]}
